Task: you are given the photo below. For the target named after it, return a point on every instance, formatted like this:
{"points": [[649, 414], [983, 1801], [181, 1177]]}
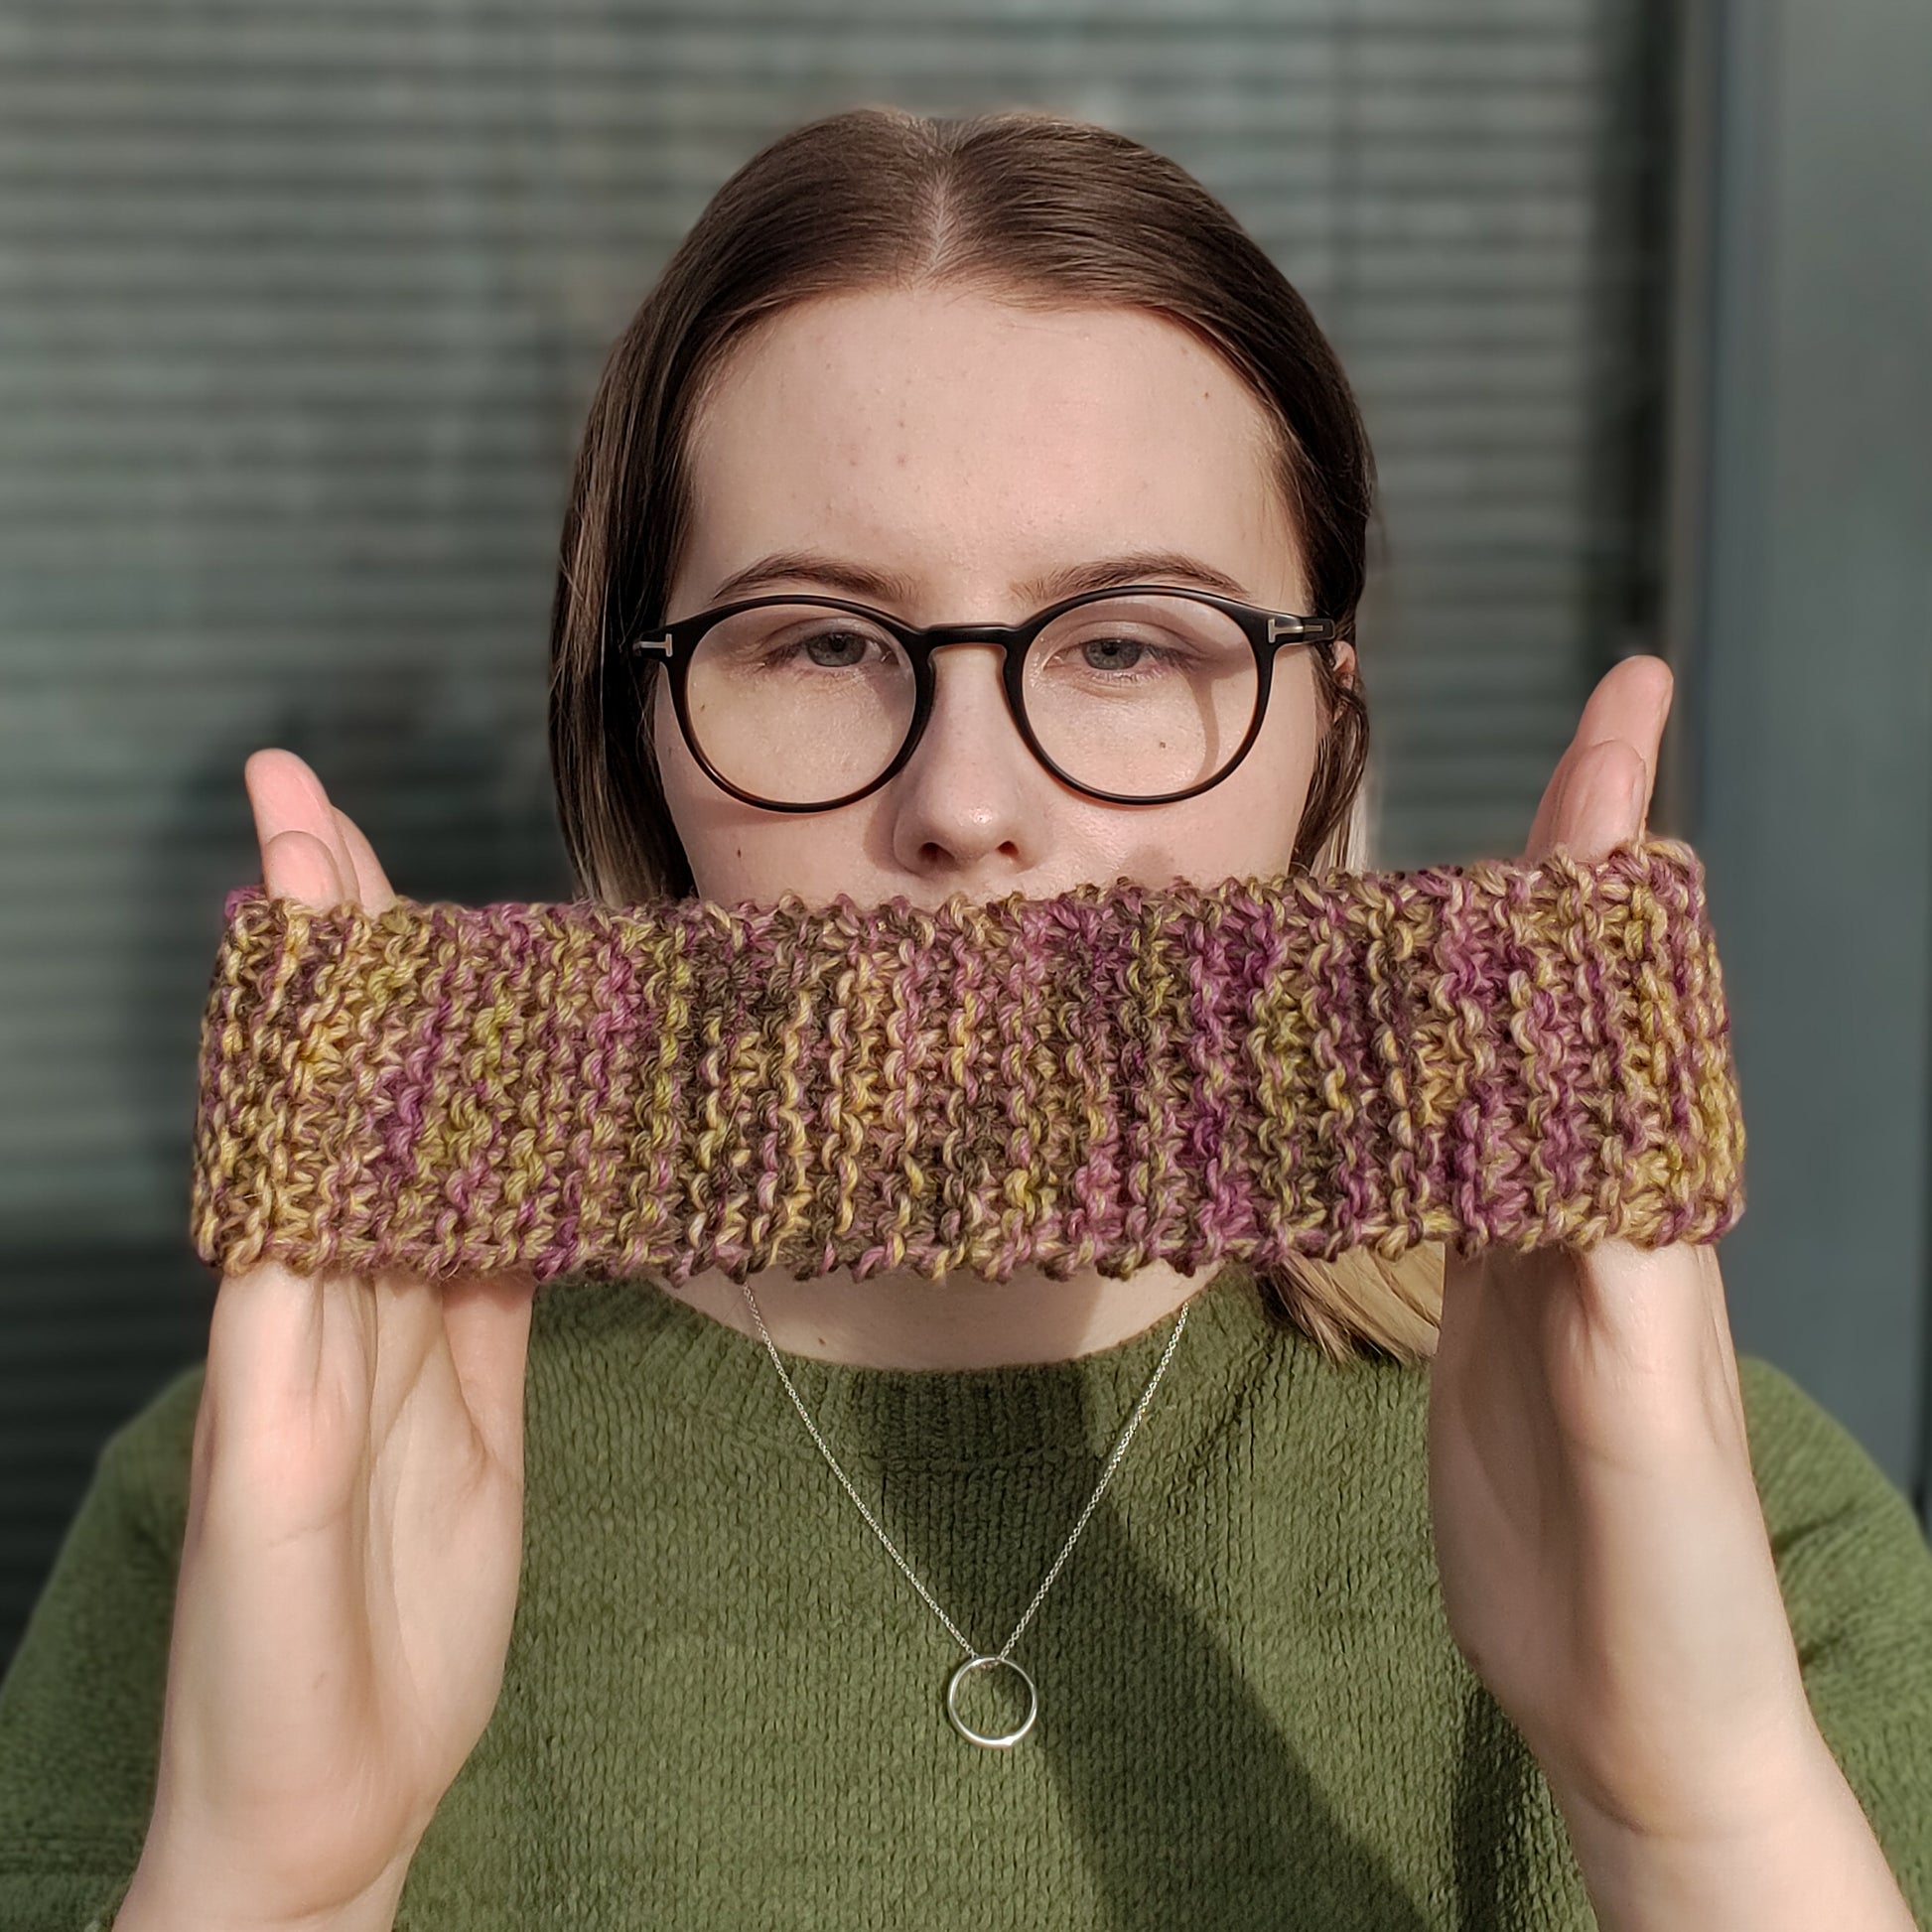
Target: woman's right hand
{"points": [[354, 1541]]}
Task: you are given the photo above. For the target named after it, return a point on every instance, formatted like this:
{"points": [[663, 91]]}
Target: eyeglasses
{"points": [[1138, 695]]}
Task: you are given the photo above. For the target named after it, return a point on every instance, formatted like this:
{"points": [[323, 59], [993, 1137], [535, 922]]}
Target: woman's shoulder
{"points": [[148, 1455], [1853, 1560], [1816, 1479], [1855, 1573]]}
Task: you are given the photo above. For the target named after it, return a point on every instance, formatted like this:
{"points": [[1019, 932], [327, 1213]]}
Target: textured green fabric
{"points": [[722, 1705]]}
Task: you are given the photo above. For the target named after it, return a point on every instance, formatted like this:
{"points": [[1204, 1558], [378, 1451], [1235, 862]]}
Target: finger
{"points": [[487, 1322], [1628, 705], [266, 1346], [289, 799], [372, 883], [1628, 710], [297, 865], [1603, 802]]}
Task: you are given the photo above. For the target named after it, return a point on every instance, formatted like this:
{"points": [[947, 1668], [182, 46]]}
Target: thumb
{"points": [[1604, 801]]}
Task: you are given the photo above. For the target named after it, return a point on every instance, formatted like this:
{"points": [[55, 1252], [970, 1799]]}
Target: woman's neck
{"points": [[903, 1320]]}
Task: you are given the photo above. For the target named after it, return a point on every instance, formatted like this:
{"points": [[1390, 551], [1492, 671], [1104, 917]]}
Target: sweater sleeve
{"points": [[80, 1704], [1856, 1573]]}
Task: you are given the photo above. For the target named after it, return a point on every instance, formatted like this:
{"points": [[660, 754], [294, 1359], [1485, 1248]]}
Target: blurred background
{"points": [[301, 308]]}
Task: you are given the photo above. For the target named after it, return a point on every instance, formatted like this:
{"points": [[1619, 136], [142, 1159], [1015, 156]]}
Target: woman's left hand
{"points": [[1604, 1556]]}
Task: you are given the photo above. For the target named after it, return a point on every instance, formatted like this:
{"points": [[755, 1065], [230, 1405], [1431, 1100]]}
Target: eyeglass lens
{"points": [[1140, 695]]}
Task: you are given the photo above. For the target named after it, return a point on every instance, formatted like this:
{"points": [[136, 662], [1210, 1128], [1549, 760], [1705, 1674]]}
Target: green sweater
{"points": [[722, 1704]]}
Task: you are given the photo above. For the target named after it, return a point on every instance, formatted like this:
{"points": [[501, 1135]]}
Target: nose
{"points": [[968, 698], [964, 802]]}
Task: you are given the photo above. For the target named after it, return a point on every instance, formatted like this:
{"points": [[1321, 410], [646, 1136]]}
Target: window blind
{"points": [[300, 310]]}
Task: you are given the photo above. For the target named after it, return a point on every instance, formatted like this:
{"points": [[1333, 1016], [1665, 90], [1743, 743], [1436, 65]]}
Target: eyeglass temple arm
{"points": [[1307, 630]]}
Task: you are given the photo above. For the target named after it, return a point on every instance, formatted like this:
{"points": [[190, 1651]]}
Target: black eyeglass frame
{"points": [[1267, 631]]}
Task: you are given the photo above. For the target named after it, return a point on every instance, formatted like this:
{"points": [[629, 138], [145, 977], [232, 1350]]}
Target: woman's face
{"points": [[969, 446]]}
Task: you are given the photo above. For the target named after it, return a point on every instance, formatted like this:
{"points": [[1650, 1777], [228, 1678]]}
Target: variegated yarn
{"points": [[1502, 1052]]}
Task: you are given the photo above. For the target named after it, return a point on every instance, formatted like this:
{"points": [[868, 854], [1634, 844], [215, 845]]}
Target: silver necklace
{"points": [[1002, 1657]]}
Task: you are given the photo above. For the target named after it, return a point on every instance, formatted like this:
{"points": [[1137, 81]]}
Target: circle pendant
{"points": [[995, 1740]]}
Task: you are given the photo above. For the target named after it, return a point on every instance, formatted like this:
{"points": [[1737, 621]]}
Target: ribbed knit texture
{"points": [[1503, 1053], [722, 1703]]}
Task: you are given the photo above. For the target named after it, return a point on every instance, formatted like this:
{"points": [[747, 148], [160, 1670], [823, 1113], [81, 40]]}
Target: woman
{"points": [[1424, 1597]]}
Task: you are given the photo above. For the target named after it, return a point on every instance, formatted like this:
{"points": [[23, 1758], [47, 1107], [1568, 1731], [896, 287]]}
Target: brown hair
{"points": [[1048, 210]]}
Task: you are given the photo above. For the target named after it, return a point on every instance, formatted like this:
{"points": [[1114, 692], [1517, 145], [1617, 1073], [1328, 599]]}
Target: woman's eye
{"points": [[1113, 653], [829, 651], [836, 649], [1104, 652]]}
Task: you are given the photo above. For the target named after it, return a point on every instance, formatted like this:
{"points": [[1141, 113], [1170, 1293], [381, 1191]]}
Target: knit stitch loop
{"points": [[1506, 1052]]}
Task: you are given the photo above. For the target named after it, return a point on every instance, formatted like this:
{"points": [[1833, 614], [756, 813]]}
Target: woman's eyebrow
{"points": [[1138, 567], [808, 566], [895, 587]]}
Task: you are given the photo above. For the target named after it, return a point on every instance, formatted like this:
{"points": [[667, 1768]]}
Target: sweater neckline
{"points": [[666, 1351]]}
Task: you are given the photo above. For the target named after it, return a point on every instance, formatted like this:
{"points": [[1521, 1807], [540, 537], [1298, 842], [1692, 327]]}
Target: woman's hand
{"points": [[354, 1541], [1602, 1549]]}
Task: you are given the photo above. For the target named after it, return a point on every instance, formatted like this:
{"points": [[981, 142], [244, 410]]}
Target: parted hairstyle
{"points": [[1043, 210]]}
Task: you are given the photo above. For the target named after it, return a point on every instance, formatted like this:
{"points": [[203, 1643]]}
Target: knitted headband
{"points": [[1505, 1052]]}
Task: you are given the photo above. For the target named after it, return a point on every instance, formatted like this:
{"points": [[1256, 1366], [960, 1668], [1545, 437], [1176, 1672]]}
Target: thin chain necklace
{"points": [[1002, 1657]]}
